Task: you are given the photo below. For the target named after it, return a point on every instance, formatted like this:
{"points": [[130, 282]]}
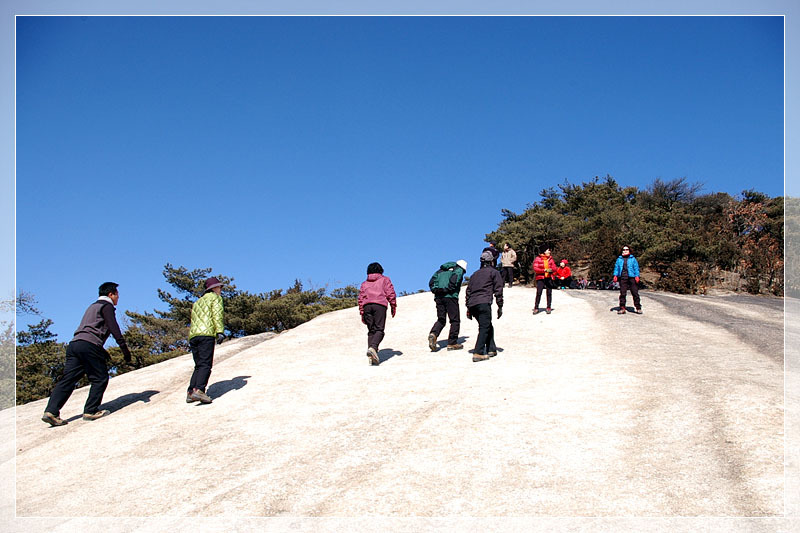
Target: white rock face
{"points": [[583, 413]]}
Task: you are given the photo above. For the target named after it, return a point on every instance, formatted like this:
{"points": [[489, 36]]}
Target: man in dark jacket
{"points": [[85, 355], [492, 249], [446, 298], [484, 283]]}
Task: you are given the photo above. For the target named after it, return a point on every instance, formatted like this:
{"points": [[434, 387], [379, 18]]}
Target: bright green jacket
{"points": [[207, 316]]}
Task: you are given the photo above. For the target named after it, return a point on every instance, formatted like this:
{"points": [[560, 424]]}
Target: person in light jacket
{"points": [[376, 294], [507, 260]]}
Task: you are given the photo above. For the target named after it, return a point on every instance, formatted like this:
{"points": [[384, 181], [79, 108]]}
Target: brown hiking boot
{"points": [[479, 357], [432, 342], [200, 396], [638, 310], [96, 415], [455, 346], [491, 354], [621, 311], [374, 360], [536, 311], [189, 398], [548, 310], [53, 420]]}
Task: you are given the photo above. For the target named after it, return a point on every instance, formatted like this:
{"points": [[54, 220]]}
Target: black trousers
{"points": [[82, 358], [565, 283], [447, 308], [202, 348], [375, 319], [508, 275], [483, 314], [544, 284], [626, 284]]}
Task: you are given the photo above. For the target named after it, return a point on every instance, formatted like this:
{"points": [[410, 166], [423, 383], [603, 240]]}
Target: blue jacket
{"points": [[633, 267]]}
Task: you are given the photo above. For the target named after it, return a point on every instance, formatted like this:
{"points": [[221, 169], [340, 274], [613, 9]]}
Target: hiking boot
{"points": [[621, 311], [189, 398], [53, 420], [536, 311], [491, 354], [638, 310], [200, 396], [548, 310], [374, 360], [479, 357], [455, 346], [96, 415], [432, 342]]}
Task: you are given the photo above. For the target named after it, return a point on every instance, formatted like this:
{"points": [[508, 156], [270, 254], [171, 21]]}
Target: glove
{"points": [[220, 338], [469, 315], [499, 311], [394, 311], [637, 279], [615, 279]]}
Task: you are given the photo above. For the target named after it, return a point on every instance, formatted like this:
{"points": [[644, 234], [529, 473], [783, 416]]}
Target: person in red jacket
{"points": [[544, 268], [563, 274], [376, 294]]}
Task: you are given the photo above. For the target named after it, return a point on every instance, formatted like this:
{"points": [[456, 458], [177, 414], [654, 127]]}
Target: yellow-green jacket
{"points": [[207, 316]]}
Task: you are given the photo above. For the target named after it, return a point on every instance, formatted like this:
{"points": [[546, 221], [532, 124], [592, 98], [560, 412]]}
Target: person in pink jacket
{"points": [[376, 294]]}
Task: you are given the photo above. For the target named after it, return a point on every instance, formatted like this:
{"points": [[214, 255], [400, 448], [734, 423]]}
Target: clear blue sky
{"points": [[279, 148]]}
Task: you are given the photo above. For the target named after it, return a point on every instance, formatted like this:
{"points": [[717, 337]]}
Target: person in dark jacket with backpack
{"points": [[626, 272], [445, 285], [485, 283], [86, 356]]}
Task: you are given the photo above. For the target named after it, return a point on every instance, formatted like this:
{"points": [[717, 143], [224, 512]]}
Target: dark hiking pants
{"points": [[82, 358], [544, 284], [375, 319], [482, 313], [508, 275], [202, 348], [447, 308], [626, 284]]}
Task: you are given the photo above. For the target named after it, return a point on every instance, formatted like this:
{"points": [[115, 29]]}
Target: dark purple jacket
{"points": [[483, 284]]}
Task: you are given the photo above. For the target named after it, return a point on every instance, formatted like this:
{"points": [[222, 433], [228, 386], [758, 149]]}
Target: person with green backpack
{"points": [[445, 284]]}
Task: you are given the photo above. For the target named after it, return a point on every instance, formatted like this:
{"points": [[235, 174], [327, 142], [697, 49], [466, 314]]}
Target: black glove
{"points": [[220, 338], [499, 311], [126, 353], [469, 315]]}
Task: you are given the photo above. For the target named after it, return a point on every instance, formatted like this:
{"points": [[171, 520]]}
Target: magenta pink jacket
{"points": [[378, 289]]}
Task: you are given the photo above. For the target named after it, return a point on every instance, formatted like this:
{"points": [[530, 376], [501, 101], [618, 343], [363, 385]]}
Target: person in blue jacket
{"points": [[626, 272]]}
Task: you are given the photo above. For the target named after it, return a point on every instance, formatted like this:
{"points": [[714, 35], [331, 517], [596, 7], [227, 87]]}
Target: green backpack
{"points": [[443, 282]]}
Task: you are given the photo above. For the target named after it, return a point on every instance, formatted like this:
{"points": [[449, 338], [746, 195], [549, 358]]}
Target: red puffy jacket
{"points": [[542, 264], [563, 273]]}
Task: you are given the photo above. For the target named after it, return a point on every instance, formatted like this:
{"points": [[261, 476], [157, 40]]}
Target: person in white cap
{"points": [[445, 285]]}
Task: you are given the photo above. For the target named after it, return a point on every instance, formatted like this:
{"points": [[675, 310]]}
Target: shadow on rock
{"points": [[460, 340], [385, 355], [221, 387], [127, 399]]}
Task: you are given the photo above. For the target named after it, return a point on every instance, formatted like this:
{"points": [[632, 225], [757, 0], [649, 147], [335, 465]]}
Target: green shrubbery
{"points": [[674, 232]]}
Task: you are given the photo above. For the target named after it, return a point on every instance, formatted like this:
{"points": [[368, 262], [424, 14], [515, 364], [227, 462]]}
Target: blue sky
{"points": [[274, 148]]}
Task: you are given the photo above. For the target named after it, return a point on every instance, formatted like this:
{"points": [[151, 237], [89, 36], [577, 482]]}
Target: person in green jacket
{"points": [[206, 327], [445, 286]]}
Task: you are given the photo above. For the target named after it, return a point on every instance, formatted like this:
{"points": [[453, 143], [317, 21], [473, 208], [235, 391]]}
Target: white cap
{"points": [[462, 264]]}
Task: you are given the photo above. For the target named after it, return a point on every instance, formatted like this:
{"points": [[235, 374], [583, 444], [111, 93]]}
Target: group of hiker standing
{"points": [[86, 356]]}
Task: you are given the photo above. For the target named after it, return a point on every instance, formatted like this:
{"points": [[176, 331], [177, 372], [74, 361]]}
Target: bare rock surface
{"points": [[584, 413]]}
